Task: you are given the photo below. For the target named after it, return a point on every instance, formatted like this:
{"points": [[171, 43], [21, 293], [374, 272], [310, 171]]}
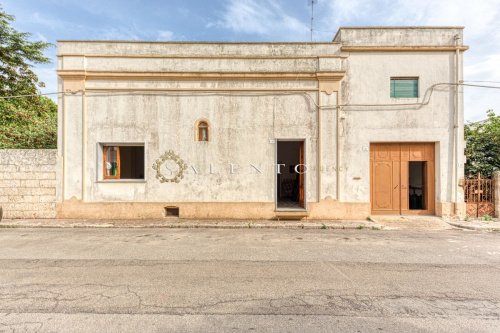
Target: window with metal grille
{"points": [[404, 87]]}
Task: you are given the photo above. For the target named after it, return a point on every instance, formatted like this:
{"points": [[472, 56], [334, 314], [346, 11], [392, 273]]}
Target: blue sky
{"points": [[265, 20]]}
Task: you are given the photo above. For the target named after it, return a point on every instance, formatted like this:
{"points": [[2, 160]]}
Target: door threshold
{"points": [[290, 209], [291, 214], [405, 214]]}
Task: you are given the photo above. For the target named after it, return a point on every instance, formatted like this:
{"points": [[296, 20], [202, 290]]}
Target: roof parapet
{"points": [[399, 37]]}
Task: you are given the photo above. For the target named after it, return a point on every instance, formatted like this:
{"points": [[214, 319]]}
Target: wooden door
{"points": [[389, 177], [301, 175], [385, 178]]}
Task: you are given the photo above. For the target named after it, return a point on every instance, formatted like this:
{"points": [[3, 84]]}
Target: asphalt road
{"points": [[213, 280]]}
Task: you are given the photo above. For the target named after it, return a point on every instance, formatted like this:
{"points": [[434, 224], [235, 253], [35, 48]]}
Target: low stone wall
{"points": [[28, 183]]}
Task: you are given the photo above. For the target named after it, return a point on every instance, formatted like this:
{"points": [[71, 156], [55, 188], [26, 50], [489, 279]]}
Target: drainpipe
{"points": [[84, 145], [318, 153], [337, 153], [456, 120]]}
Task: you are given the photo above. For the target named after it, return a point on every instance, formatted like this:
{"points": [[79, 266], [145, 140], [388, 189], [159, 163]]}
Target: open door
{"points": [[290, 175], [402, 178], [417, 179]]}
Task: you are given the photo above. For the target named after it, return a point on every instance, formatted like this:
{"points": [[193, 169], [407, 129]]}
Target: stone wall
{"points": [[28, 183]]}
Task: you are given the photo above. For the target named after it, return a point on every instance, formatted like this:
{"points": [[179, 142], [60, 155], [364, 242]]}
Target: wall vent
{"points": [[171, 211]]}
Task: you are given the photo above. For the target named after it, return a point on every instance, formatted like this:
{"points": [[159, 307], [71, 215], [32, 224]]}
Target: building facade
{"points": [[370, 123]]}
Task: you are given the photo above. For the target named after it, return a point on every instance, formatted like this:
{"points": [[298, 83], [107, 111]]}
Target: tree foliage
{"points": [[25, 122], [483, 146]]}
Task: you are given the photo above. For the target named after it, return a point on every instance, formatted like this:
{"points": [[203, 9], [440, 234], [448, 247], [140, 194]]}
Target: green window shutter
{"points": [[404, 88]]}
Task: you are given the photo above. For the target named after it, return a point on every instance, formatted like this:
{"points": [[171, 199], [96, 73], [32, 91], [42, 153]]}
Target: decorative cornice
{"points": [[336, 76], [403, 48], [187, 42], [215, 56], [197, 89], [177, 76]]}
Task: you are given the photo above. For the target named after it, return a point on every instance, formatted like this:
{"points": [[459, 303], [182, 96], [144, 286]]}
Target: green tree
{"points": [[25, 122], [483, 146]]}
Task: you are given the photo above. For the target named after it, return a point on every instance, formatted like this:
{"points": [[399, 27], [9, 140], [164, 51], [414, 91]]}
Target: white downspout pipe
{"points": [[455, 125]]}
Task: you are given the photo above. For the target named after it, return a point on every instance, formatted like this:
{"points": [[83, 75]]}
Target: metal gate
{"points": [[480, 196]]}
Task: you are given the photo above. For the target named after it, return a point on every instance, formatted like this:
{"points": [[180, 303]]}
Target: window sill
{"points": [[394, 99], [139, 181]]}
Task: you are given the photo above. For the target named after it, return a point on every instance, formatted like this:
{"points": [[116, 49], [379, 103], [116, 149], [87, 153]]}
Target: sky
{"points": [[264, 20]]}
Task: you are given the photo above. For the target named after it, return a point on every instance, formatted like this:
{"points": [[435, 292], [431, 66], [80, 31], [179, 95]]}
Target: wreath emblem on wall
{"points": [[170, 156]]}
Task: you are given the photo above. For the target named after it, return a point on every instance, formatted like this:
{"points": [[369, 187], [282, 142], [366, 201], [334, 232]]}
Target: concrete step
{"points": [[291, 215]]}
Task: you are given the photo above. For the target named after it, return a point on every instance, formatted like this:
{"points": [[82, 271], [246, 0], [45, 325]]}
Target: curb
{"points": [[203, 226], [472, 227]]}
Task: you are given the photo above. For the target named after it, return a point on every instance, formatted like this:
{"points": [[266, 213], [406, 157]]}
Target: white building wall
{"points": [[367, 82], [251, 94], [243, 129]]}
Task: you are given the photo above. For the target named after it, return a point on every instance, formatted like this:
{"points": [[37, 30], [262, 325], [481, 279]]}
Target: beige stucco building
{"points": [[370, 123]]}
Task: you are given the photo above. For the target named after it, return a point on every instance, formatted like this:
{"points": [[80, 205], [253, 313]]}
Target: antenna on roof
{"points": [[312, 3]]}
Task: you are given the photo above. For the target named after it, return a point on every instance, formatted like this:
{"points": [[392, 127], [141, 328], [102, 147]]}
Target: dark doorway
{"points": [[290, 175], [417, 172]]}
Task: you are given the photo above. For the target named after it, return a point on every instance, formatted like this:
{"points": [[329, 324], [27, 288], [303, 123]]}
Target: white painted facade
{"points": [[335, 96]]}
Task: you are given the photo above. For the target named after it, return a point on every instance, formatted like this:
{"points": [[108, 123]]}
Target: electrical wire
{"points": [[425, 101], [478, 85], [498, 82], [44, 94]]}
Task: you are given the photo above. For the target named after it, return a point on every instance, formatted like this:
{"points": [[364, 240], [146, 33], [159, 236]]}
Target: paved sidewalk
{"points": [[482, 225], [184, 223], [398, 222], [417, 223]]}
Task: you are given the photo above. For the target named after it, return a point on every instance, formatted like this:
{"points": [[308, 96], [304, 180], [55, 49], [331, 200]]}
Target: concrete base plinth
{"points": [[325, 209], [451, 209], [496, 179]]}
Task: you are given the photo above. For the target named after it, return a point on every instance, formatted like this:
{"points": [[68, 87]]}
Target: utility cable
{"points": [[425, 101]]}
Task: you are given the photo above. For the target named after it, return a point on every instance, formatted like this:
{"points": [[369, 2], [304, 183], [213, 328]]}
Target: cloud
{"points": [[39, 36], [113, 31], [47, 75], [261, 17], [284, 20], [116, 33], [165, 35], [48, 22]]}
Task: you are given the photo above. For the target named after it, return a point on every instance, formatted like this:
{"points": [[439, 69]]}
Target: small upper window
{"points": [[123, 162], [404, 87], [202, 131]]}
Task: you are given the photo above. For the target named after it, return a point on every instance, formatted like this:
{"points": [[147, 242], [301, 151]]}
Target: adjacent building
{"points": [[370, 123]]}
